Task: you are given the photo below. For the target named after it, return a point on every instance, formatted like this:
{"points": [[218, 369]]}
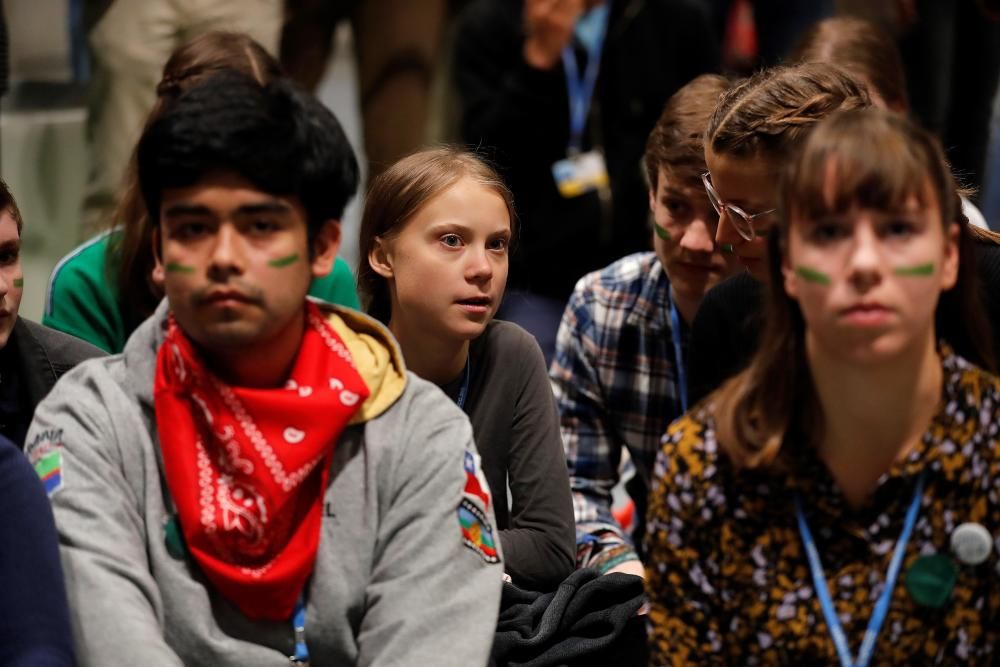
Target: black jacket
{"points": [[38, 356], [520, 116]]}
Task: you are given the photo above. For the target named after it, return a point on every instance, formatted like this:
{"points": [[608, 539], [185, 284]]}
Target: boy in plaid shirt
{"points": [[618, 373]]}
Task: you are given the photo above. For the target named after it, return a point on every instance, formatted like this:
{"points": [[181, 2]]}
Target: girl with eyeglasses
{"points": [[754, 129], [838, 502]]}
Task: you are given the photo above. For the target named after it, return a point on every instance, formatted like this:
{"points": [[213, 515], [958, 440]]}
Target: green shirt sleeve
{"points": [[337, 287], [81, 301]]}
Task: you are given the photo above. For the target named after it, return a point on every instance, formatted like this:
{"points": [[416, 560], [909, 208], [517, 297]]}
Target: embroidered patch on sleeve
{"points": [[477, 534], [45, 455], [476, 487]]}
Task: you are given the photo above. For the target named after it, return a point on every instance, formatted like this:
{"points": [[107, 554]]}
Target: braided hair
{"points": [[769, 114]]}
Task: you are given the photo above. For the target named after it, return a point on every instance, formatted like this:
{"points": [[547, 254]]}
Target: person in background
{"points": [[754, 129], [837, 501], [103, 289], [129, 42], [437, 231], [256, 478], [618, 374], [869, 54], [32, 356], [35, 628], [563, 94]]}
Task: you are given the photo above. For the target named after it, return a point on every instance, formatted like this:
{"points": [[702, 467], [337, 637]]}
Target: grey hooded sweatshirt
{"points": [[394, 582]]}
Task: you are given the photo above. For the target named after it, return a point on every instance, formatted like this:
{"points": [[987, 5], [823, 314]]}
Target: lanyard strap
{"points": [[675, 336], [463, 393], [581, 90], [881, 606], [301, 656]]}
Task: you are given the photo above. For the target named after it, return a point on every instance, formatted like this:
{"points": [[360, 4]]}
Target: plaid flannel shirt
{"points": [[615, 382]]}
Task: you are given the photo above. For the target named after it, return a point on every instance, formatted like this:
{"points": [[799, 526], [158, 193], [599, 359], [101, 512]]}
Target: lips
{"points": [[222, 296], [475, 304], [866, 314]]}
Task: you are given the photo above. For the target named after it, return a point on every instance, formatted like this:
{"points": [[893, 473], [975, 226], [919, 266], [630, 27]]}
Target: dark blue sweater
{"points": [[34, 616]]}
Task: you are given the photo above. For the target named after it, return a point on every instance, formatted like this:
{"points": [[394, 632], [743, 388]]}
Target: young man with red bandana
{"points": [[256, 478]]}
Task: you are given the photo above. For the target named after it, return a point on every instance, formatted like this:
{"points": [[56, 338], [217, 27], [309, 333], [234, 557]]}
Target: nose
{"points": [[478, 268], [697, 238], [726, 233], [227, 254], [865, 260]]}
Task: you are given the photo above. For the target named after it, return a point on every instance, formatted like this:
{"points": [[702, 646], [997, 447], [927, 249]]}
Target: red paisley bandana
{"points": [[247, 468]]}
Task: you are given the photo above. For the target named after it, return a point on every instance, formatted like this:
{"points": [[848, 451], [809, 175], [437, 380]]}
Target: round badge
{"points": [[930, 580], [971, 543]]}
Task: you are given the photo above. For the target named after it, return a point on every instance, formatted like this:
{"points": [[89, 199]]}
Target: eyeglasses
{"points": [[742, 221]]}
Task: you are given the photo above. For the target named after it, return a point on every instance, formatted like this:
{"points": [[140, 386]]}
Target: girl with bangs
{"points": [[839, 500]]}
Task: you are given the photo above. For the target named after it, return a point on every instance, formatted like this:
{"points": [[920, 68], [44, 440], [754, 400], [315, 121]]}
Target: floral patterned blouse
{"points": [[728, 577]]}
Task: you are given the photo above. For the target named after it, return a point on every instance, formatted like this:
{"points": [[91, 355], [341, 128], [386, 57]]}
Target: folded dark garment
{"points": [[585, 615]]}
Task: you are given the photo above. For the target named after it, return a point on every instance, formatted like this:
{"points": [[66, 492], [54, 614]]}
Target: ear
{"points": [[159, 274], [380, 259], [652, 198], [949, 265], [325, 247]]}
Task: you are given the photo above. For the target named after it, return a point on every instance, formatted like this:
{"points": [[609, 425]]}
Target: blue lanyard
{"points": [[881, 606], [581, 90], [675, 335], [463, 393], [301, 656]]}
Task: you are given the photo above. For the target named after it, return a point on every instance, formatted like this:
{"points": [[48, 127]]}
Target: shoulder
{"points": [[423, 419], [16, 474], [84, 265], [502, 337], [63, 350], [618, 286], [689, 453]]}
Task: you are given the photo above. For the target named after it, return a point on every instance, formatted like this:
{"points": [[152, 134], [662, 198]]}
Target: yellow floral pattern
{"points": [[728, 578]]}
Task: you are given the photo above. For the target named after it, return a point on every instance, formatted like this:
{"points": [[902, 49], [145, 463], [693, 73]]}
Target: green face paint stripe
{"points": [[18, 282], [812, 275], [282, 262], [174, 267], [918, 270], [661, 232]]}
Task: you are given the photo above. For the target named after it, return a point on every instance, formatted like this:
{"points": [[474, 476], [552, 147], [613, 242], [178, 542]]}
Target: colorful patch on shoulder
{"points": [[477, 534], [476, 487], [45, 455]]}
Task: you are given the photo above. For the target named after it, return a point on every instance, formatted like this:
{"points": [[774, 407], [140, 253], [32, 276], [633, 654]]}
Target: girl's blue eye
{"points": [[451, 240]]}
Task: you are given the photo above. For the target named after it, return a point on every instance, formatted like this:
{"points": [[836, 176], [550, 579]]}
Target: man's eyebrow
{"points": [[264, 207], [186, 209]]}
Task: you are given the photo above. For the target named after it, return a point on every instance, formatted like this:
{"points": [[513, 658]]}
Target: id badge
{"points": [[581, 173]]}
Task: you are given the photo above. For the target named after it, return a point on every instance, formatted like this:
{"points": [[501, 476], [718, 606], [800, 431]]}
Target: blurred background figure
{"points": [[397, 45], [569, 90], [130, 40], [951, 55]]}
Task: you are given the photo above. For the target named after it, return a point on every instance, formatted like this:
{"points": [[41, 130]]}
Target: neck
{"points": [[687, 306], [432, 357], [873, 415], [263, 364]]}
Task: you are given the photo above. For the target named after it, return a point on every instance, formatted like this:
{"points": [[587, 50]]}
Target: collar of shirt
{"points": [[651, 310]]}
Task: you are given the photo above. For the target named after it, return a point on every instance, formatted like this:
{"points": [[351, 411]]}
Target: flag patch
{"points": [[476, 531], [49, 469], [476, 487], [45, 455]]}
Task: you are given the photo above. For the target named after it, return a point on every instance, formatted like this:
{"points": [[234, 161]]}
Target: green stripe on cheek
{"points": [[918, 270], [282, 262], [812, 275], [174, 267], [18, 282], [661, 232]]}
